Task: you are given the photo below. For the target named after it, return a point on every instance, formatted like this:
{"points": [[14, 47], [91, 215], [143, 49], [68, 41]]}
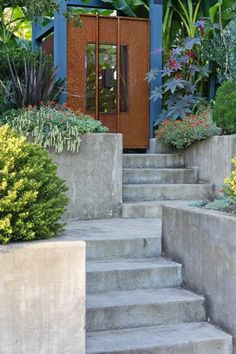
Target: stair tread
{"points": [[129, 264], [154, 337], [160, 202], [141, 297], [174, 185], [177, 169], [152, 155]]}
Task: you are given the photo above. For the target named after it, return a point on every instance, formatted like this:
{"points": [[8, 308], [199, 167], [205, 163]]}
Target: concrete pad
{"points": [[117, 238]]}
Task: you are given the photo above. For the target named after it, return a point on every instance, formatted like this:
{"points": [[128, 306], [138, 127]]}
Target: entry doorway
{"points": [[107, 61]]}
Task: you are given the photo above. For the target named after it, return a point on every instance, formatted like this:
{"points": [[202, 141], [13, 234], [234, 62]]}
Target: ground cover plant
{"points": [[183, 133], [32, 196], [52, 126], [224, 113], [227, 200]]}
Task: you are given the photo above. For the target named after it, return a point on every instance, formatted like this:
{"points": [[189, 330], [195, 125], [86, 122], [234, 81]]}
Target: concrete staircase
{"points": [[150, 179], [135, 303]]}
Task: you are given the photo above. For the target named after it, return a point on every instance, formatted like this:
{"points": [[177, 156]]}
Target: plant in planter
{"points": [[32, 196], [183, 133], [52, 126]]}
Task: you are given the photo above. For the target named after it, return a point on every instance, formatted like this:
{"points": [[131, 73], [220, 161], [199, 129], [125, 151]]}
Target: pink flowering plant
{"points": [[183, 133]]}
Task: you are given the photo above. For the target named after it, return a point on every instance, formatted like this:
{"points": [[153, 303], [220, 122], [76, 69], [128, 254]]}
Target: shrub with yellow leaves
{"points": [[32, 196], [230, 183]]}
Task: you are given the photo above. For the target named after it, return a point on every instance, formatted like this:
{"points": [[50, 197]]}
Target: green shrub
{"points": [[53, 126], [15, 89], [183, 133], [224, 113], [32, 197]]}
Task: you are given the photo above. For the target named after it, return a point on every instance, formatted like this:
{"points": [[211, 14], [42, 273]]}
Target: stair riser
{"points": [[213, 346], [161, 176], [152, 161], [123, 248], [132, 193], [141, 211], [133, 279], [132, 316]]}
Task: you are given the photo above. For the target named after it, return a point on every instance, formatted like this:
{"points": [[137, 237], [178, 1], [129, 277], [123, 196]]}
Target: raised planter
{"points": [[42, 297], [212, 157], [205, 243], [94, 177]]}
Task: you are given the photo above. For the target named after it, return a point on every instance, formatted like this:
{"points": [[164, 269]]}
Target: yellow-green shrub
{"points": [[230, 183], [32, 196]]}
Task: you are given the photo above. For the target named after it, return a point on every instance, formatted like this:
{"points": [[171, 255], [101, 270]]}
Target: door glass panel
{"points": [[107, 80]]}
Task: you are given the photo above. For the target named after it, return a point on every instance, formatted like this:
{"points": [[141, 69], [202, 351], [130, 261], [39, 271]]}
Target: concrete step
{"points": [[117, 238], [105, 276], [149, 209], [153, 161], [190, 338], [162, 175], [148, 192], [139, 308]]}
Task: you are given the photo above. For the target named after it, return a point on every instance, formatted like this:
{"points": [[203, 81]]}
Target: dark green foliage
{"points": [[224, 113], [32, 196], [18, 56], [37, 85]]}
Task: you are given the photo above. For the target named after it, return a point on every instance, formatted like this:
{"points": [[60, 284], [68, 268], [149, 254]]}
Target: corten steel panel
{"points": [[76, 49], [135, 124], [48, 45], [127, 31]]}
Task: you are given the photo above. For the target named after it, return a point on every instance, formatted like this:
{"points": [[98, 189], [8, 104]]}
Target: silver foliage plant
{"points": [[51, 127]]}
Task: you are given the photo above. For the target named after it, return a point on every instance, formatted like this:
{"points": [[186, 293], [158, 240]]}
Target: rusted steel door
{"points": [[107, 61]]}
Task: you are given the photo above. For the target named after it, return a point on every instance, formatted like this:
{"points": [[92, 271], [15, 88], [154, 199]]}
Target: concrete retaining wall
{"points": [[42, 298], [212, 157], [94, 177], [205, 243]]}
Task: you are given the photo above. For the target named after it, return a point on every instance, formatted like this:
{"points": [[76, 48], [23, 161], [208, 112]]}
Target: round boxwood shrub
{"points": [[224, 113], [32, 196]]}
